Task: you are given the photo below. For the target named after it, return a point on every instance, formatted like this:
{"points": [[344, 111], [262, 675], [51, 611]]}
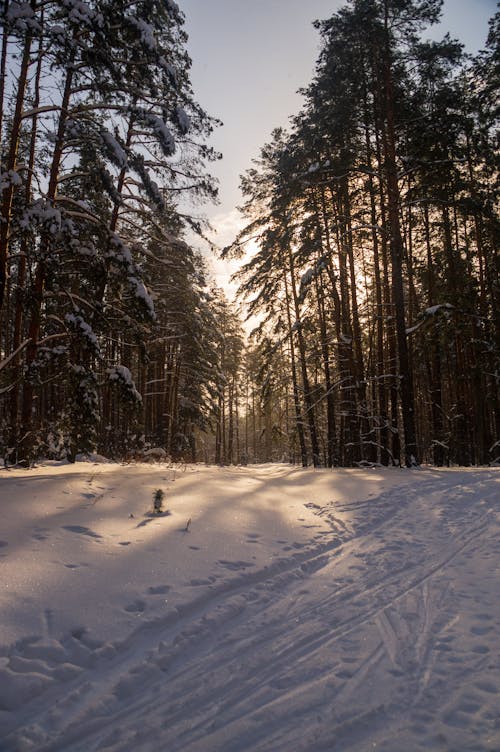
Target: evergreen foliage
{"points": [[102, 139], [376, 275]]}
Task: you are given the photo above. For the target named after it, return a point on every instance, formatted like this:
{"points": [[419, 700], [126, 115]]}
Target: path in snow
{"points": [[345, 610]]}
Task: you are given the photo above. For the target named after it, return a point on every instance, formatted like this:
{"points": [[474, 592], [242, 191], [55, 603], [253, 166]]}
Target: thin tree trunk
{"points": [[435, 361], [296, 397], [3, 68], [11, 164]]}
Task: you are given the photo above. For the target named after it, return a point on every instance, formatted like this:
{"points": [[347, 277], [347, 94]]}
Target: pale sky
{"points": [[249, 59]]}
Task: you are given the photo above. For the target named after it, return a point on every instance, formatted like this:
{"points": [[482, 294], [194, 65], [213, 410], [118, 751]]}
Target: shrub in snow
{"points": [[158, 497]]}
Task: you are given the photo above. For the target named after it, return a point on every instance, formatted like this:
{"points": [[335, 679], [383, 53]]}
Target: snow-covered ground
{"points": [[301, 610]]}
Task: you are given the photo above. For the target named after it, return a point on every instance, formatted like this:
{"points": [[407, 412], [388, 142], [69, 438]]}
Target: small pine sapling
{"points": [[158, 497]]}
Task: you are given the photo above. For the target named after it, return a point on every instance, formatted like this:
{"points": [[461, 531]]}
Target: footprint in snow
{"points": [[487, 686], [82, 531], [159, 590], [484, 617], [481, 630], [40, 533], [234, 565], [345, 674], [137, 607]]}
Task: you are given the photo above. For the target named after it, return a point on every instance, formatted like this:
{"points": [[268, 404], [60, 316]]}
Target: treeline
{"points": [[376, 274], [375, 222], [111, 337]]}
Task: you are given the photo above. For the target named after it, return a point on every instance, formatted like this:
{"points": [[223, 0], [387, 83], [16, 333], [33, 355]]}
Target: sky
{"points": [[250, 57]]}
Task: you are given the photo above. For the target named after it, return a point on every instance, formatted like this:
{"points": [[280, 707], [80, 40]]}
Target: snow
{"points": [[155, 453], [183, 120], [8, 178], [122, 254], [42, 213], [299, 610], [22, 16], [169, 70], [19, 10], [139, 290], [77, 323], [122, 375], [116, 151], [163, 133], [172, 6], [432, 310], [306, 278], [81, 13], [146, 32]]}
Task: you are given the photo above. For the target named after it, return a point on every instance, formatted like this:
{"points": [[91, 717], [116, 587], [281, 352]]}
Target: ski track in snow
{"points": [[379, 630]]}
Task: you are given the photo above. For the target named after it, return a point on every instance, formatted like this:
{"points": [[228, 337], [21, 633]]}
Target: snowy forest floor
{"points": [[300, 610]]}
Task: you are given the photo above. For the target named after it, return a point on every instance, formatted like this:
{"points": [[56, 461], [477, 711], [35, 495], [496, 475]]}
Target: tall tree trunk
{"points": [[396, 249], [296, 396], [331, 441], [331, 428], [40, 275], [362, 419], [350, 433], [345, 359], [308, 402], [11, 164], [3, 67], [434, 370], [22, 264], [380, 367]]}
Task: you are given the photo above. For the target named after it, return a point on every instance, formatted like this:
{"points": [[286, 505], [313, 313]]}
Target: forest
{"points": [[369, 253]]}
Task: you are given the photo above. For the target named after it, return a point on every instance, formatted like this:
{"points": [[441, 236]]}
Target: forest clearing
{"points": [[366, 251]]}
